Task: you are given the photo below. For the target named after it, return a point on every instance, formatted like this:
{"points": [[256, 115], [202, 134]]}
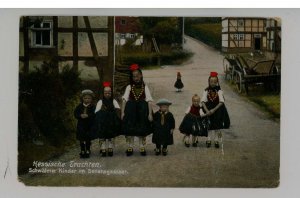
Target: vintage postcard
{"points": [[122, 101]]}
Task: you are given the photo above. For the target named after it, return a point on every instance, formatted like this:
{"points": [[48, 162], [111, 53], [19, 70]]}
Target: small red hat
{"points": [[213, 74], [134, 67], [106, 84]]}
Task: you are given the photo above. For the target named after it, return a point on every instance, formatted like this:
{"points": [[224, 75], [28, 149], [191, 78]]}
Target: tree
{"points": [[166, 30]]}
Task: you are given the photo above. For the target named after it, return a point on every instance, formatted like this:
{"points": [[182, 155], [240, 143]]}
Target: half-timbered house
{"points": [[85, 43]]}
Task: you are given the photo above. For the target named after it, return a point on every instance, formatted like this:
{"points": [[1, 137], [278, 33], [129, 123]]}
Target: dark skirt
{"points": [[220, 119], [107, 125], [194, 125], [83, 133], [162, 136], [178, 84], [135, 121]]}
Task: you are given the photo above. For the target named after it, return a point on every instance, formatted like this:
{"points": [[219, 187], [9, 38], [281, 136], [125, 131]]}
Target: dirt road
{"points": [[249, 158]]}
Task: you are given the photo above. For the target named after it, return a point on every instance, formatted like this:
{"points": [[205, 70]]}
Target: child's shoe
{"points": [[129, 151], [82, 154], [208, 143], [164, 151], [110, 152], [217, 144], [87, 154], [143, 151], [157, 151], [103, 152]]}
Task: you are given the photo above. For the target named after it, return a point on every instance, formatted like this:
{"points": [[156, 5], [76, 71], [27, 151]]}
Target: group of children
{"points": [[135, 117]]}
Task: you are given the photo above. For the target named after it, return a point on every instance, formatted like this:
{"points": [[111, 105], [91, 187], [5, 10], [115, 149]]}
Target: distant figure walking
{"points": [[178, 84]]}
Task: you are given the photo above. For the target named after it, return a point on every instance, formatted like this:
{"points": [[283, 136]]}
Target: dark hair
{"points": [[131, 76], [218, 87], [112, 93]]}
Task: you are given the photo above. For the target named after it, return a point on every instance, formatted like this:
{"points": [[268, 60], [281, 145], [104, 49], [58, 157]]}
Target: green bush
{"points": [[47, 100], [209, 33], [149, 59]]}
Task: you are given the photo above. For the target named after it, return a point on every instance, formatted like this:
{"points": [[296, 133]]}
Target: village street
{"points": [[248, 157]]}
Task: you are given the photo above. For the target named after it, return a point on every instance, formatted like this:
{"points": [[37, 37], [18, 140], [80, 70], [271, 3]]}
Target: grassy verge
{"points": [[268, 102]]}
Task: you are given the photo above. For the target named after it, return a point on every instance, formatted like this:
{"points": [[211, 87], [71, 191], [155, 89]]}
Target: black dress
{"points": [[193, 124], [84, 125], [162, 132], [178, 84], [107, 122], [220, 119], [135, 121]]}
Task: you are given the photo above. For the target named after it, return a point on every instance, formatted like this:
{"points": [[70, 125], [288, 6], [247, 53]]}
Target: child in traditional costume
{"points": [[163, 127], [136, 111], [107, 122], [213, 105], [85, 115], [194, 123], [178, 84]]}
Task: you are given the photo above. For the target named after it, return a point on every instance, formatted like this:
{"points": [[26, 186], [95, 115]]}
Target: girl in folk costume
{"points": [[84, 113], [163, 127], [194, 123], [213, 104], [136, 111], [107, 122], [178, 84]]}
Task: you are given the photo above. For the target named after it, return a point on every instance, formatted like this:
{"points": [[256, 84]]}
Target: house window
{"points": [[237, 37], [123, 22], [131, 36], [241, 37], [122, 36], [240, 22], [42, 34]]}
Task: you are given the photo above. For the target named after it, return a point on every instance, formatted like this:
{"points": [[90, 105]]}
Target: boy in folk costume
{"points": [[136, 111], [213, 104], [85, 115], [107, 122], [193, 123], [178, 84], [163, 127]]}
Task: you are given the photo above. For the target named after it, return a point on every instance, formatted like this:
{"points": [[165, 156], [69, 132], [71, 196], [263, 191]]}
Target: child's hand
{"points": [[84, 116], [213, 111], [204, 115], [150, 117]]}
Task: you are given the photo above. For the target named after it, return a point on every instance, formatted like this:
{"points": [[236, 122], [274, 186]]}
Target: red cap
{"points": [[106, 84], [213, 74], [134, 67]]}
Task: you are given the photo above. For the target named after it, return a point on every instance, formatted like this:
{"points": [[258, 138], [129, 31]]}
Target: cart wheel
{"points": [[237, 79], [226, 66]]}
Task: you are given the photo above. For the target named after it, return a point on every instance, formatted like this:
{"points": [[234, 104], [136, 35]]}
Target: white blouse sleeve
{"points": [[187, 110], [99, 105], [148, 94], [116, 104], [204, 97], [127, 92], [221, 96]]}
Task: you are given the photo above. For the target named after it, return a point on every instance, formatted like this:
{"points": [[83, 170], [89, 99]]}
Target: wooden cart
{"points": [[244, 72]]}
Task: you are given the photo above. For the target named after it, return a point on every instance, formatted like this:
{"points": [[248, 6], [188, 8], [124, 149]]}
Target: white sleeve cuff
{"points": [[116, 104], [98, 107]]}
